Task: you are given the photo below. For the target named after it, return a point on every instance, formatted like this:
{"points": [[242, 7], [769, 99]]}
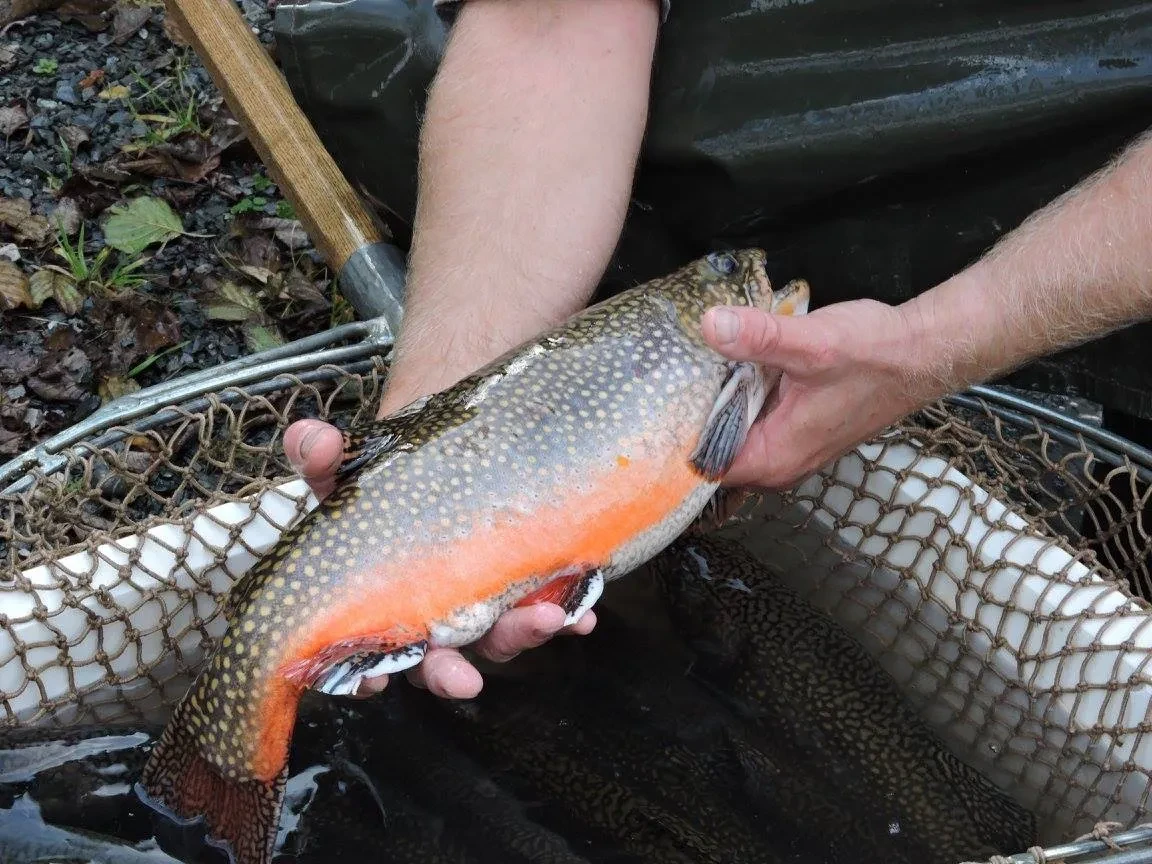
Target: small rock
{"points": [[44, 40], [88, 93], [66, 93], [10, 252], [33, 418], [16, 392], [139, 129], [47, 104], [40, 121]]}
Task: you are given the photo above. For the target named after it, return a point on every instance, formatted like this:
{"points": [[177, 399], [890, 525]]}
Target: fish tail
{"points": [[240, 814]]}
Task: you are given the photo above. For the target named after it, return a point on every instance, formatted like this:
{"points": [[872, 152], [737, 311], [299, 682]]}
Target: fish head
{"points": [[730, 278]]}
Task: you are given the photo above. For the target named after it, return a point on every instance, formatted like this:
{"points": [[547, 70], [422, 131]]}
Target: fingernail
{"points": [[307, 441], [726, 324]]}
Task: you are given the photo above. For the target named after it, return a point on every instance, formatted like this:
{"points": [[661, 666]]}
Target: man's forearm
{"points": [[1075, 270], [527, 156]]}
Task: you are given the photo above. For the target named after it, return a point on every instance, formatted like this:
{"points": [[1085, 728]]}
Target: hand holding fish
{"points": [[849, 370], [315, 449]]}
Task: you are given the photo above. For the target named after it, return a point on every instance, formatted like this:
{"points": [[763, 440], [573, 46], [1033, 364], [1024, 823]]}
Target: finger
{"points": [[518, 630], [314, 449], [447, 674], [582, 627], [797, 346]]}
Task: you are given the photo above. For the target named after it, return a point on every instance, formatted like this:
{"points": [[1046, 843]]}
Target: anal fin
{"points": [[727, 426]]}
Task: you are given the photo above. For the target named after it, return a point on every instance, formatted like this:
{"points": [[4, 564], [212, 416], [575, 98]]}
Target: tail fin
{"points": [[240, 814]]}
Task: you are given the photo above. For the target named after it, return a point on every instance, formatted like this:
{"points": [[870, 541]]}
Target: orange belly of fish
{"points": [[400, 600]]}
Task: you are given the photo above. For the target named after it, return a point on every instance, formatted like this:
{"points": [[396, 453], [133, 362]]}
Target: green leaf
{"points": [[262, 338], [144, 221], [236, 303], [50, 282]]}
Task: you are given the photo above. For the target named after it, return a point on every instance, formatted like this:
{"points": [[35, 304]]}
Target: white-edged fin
{"points": [[727, 426], [592, 586], [344, 678]]}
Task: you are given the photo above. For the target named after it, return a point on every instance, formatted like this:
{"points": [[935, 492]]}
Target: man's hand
{"points": [[849, 370], [314, 448]]}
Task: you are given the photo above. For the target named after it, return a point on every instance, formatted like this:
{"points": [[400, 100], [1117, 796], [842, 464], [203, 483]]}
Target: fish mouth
{"points": [[792, 299]]}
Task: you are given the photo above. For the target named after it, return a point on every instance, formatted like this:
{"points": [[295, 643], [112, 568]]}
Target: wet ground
{"points": [[102, 104]]}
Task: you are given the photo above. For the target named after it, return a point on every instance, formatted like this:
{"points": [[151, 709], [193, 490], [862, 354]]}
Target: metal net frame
{"points": [[990, 553]]}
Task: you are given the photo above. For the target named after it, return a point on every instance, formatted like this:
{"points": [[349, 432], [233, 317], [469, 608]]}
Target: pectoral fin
{"points": [[727, 425]]}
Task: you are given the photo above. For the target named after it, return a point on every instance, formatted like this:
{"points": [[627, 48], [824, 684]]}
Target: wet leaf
{"points": [[12, 118], [234, 303], [156, 328], [261, 337], [260, 274], [74, 136], [175, 32], [127, 20], [17, 363], [61, 377], [11, 443], [14, 10], [14, 291], [146, 220], [66, 216], [90, 13], [119, 91], [35, 229], [290, 232], [260, 250], [13, 211], [51, 283], [92, 79], [115, 387], [17, 214], [299, 286]]}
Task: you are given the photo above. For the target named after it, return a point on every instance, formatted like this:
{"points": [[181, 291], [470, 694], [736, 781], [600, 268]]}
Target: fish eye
{"points": [[723, 263]]}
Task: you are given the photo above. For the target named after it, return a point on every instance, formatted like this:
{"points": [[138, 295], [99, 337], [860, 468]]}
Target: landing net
{"points": [[991, 555]]}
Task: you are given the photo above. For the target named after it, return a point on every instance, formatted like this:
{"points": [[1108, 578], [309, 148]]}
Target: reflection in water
{"points": [[713, 717]]}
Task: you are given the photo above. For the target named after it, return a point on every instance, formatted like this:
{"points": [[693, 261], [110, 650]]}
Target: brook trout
{"points": [[871, 770], [566, 462]]}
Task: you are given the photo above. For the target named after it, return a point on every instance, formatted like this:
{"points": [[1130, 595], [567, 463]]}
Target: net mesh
{"points": [[997, 569]]}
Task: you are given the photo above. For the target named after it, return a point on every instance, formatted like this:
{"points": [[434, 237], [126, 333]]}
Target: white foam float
{"points": [[98, 634], [963, 604]]}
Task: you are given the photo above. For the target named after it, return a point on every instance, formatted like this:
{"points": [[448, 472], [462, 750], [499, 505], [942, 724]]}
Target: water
{"points": [[613, 748]]}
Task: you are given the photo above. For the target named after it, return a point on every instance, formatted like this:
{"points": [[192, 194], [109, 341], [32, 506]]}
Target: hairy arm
{"points": [[527, 156], [526, 165], [1075, 270]]}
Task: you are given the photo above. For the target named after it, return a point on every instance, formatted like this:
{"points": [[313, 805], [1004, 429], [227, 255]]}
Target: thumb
{"points": [[794, 345]]}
